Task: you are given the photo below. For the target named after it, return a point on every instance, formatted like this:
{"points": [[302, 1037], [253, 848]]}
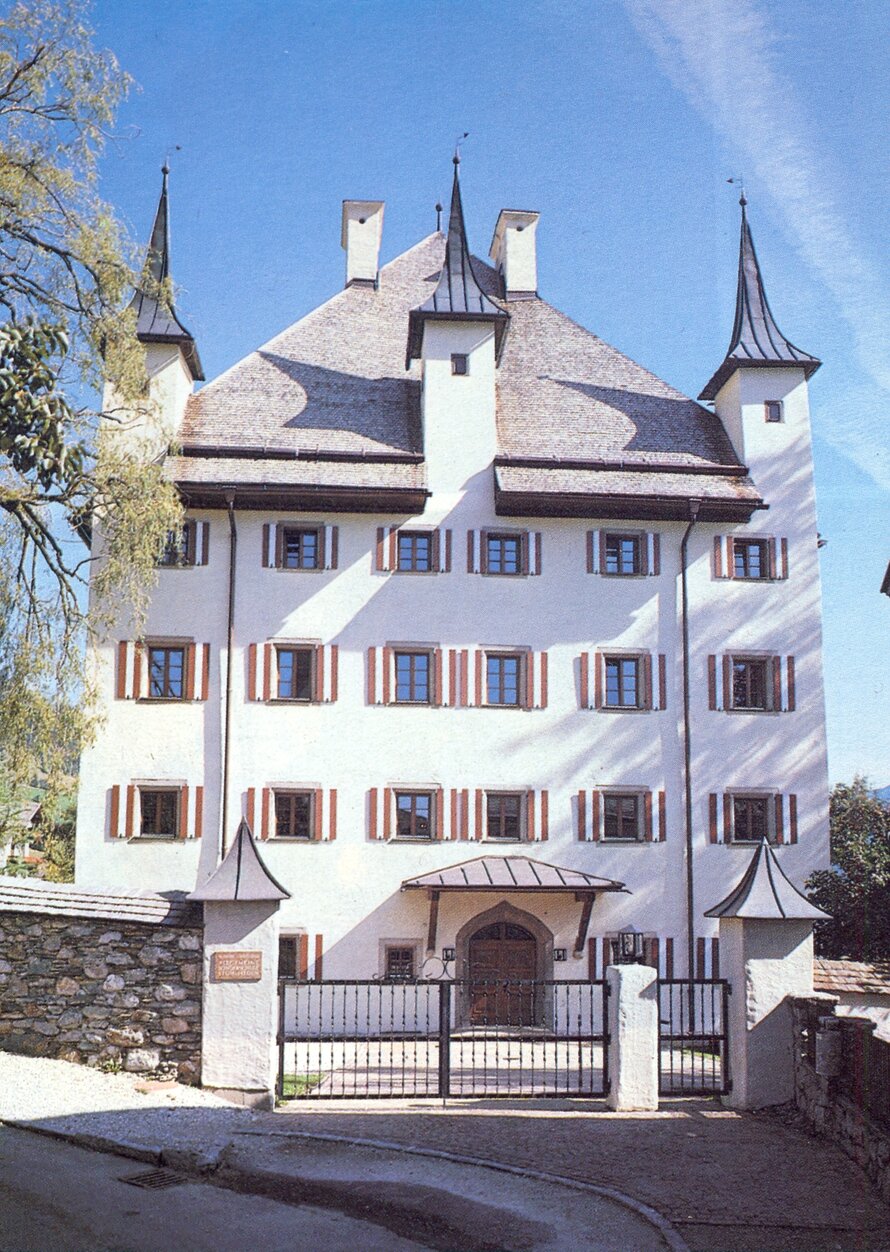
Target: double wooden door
{"points": [[503, 959]]}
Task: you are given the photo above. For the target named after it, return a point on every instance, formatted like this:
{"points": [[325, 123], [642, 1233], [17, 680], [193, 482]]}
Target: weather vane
{"points": [[740, 183], [457, 144]]}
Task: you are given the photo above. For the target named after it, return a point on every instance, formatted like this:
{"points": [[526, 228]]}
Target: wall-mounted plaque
{"points": [[236, 966]]}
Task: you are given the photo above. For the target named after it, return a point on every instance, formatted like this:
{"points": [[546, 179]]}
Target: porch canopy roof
{"points": [[503, 874]]}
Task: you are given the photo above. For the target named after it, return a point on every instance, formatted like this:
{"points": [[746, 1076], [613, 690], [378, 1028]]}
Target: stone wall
{"points": [[102, 991], [824, 1045]]}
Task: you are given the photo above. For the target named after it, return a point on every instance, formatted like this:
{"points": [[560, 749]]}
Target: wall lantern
{"points": [[630, 947], [448, 954], [559, 954]]}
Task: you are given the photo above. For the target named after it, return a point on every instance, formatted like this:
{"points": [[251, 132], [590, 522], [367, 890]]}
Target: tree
{"points": [[65, 275], [856, 890]]}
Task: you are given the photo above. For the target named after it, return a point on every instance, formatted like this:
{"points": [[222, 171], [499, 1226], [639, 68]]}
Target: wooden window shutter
{"points": [[182, 831], [584, 680], [595, 816], [130, 826], [372, 676], [114, 812], [656, 560], [589, 545], [718, 557], [303, 958], [783, 569], [712, 818], [120, 678], [205, 671], [279, 547], [387, 674], [372, 813], [591, 960], [478, 680], [334, 549], [138, 648], [483, 551], [542, 699], [448, 551], [727, 681], [199, 812], [332, 814], [528, 674], [650, 952], [465, 814], [545, 816], [387, 812], [268, 662], [727, 818], [335, 672], [319, 956], [191, 542], [598, 680], [582, 817], [777, 684], [392, 557], [378, 554], [454, 814], [452, 677], [712, 682], [792, 693], [435, 551], [250, 809], [470, 545], [792, 818], [251, 671], [644, 544], [647, 680], [480, 831], [662, 817], [318, 673], [439, 832], [205, 543], [647, 816], [190, 671], [662, 681], [780, 826], [771, 547], [602, 547], [464, 677], [539, 552], [530, 816], [266, 799], [438, 693], [266, 561], [316, 814]]}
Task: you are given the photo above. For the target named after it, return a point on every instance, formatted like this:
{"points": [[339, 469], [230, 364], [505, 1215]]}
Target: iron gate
{"points": [[693, 1053], [341, 1039]]}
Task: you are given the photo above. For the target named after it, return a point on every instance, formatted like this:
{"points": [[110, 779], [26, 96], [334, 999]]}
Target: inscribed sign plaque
{"points": [[236, 966]]}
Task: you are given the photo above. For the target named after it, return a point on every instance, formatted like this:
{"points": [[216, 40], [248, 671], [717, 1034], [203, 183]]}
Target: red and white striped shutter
{"points": [[114, 812], [453, 814], [266, 826], [387, 812], [387, 675], [392, 549], [589, 547], [647, 816], [464, 820], [373, 830], [792, 818], [317, 815], [780, 823], [205, 671], [646, 554], [712, 818], [270, 545], [662, 817], [331, 546], [200, 542], [662, 681], [140, 678], [601, 551], [479, 832], [581, 810], [303, 957], [251, 672], [439, 832], [727, 818], [536, 553], [380, 550], [545, 816], [268, 671], [773, 566], [727, 681], [132, 817], [777, 684], [783, 560], [647, 680], [182, 831], [190, 668], [318, 676], [595, 806], [529, 673], [791, 702], [333, 674], [332, 814], [584, 680], [199, 812], [475, 552], [445, 549], [655, 561], [451, 700], [712, 683], [250, 809], [438, 692], [530, 830], [718, 558], [598, 665], [464, 677], [122, 673], [478, 692], [543, 691], [371, 677]]}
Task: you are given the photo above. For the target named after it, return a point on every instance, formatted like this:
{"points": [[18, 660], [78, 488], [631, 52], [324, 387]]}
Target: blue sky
{"points": [[619, 121]]}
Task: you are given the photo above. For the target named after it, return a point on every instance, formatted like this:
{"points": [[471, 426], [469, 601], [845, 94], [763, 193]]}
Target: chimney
{"points": [[360, 235], [513, 252]]}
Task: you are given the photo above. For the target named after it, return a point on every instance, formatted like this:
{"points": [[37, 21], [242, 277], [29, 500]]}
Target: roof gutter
{"points": [[230, 644], [687, 743]]}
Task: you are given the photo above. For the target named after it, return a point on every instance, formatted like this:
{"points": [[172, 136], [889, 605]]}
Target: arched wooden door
{"points": [[503, 962]]}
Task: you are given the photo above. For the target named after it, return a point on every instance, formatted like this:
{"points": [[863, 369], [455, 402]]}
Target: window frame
{"points": [[184, 551], [623, 537], [282, 531], [289, 944], [414, 794], [769, 406], [166, 648], [292, 794], [622, 658], [520, 538], [501, 795], [460, 364], [745, 796], [409, 651], [388, 946], [763, 546], [413, 536], [159, 789], [619, 796], [765, 664], [312, 651], [521, 659]]}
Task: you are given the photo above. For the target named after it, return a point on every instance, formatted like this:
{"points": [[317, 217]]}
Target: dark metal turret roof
{"points": [[765, 892], [156, 320], [241, 875], [459, 295], [756, 339]]}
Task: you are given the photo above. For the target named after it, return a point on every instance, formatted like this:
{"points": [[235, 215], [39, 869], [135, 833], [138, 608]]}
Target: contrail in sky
{"points": [[723, 55]]}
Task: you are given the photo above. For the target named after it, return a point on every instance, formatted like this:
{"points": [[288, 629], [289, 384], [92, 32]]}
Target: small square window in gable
{"points": [[460, 363], [772, 410]]}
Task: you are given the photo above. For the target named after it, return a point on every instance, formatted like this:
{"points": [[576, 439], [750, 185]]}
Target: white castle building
{"points": [[502, 646]]}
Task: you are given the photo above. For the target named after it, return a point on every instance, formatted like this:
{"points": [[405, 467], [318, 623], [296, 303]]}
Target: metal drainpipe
{"points": [[694, 506], [227, 718]]}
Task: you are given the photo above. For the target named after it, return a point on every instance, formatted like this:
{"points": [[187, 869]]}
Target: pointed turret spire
{"points": [[156, 320], [765, 892], [459, 295], [241, 874], [756, 339]]}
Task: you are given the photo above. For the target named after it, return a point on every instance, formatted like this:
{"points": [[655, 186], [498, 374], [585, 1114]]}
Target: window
{"points": [[772, 410], [749, 689], [179, 547], [621, 817], [158, 812], [399, 964], [622, 554], [412, 677], [415, 552], [414, 815], [750, 558], [296, 674], [503, 811], [503, 678], [300, 548], [622, 682], [750, 819], [294, 814], [287, 956], [460, 363], [503, 554], [166, 673]]}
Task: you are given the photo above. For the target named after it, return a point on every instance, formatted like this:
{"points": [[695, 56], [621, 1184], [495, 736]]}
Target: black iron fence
{"points": [[864, 1071], [346, 1039], [693, 1052]]}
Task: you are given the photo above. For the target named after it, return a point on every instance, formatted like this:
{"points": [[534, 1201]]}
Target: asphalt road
{"points": [[58, 1198]]}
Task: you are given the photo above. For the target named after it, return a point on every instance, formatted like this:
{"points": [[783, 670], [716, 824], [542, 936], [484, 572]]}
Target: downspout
{"points": [[694, 506], [230, 644]]}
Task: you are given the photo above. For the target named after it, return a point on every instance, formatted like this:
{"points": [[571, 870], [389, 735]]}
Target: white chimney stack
{"points": [[513, 252], [360, 235]]}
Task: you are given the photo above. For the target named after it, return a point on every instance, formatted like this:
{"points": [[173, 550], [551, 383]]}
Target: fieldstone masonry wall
{"points": [[100, 991], [819, 1057]]}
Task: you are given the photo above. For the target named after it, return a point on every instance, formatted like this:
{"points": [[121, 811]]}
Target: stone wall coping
{"points": [[22, 895]]}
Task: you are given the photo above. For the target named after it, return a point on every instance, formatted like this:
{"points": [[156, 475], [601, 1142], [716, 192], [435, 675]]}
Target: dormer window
{"points": [[460, 363], [772, 410]]}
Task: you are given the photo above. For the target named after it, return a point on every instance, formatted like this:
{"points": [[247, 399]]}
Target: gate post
{"points": [[633, 1037]]}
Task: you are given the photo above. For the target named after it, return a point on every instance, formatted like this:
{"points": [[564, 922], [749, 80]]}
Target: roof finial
{"points": [[438, 217], [741, 185], [457, 143]]}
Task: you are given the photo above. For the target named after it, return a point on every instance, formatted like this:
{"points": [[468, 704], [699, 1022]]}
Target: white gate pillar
{"points": [[633, 1037], [241, 901]]}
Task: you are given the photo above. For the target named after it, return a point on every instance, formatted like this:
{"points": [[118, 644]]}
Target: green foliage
{"points": [[58, 844], [856, 890]]}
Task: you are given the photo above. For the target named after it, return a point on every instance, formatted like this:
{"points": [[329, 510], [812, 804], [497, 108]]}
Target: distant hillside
{"points": [[883, 793]]}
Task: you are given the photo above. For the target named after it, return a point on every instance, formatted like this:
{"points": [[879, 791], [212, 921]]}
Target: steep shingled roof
{"points": [[334, 383]]}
